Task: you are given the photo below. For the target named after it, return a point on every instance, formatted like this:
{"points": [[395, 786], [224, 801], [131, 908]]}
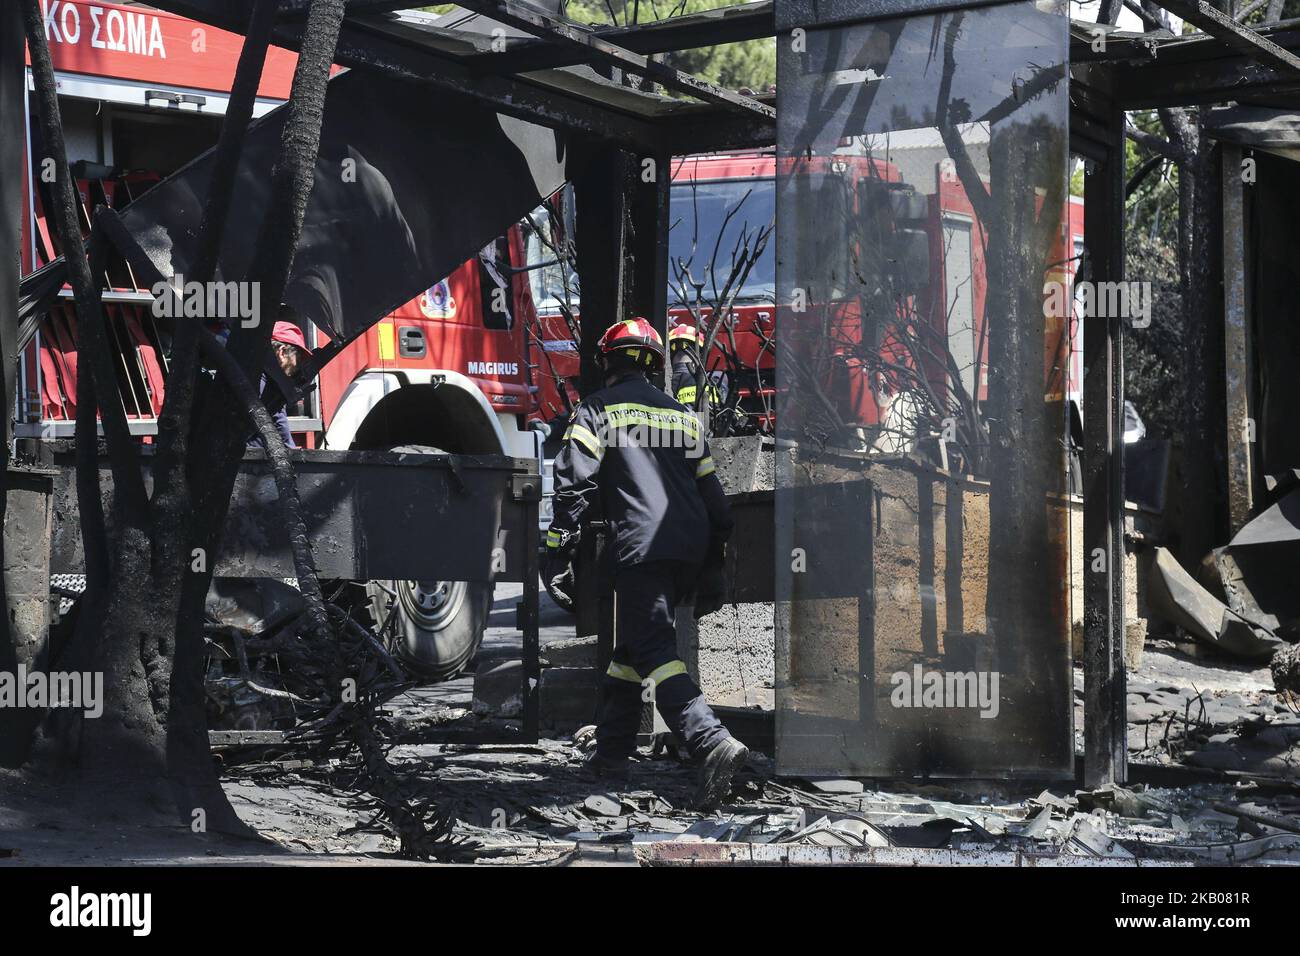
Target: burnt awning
{"points": [[1257, 127]]}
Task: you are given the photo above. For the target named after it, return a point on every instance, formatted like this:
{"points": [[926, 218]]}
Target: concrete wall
{"points": [[733, 652], [27, 528], [1135, 570]]}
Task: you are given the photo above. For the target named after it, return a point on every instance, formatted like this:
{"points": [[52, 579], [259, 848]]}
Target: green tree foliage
{"points": [[1152, 355], [1152, 210], [1259, 16], [751, 64]]}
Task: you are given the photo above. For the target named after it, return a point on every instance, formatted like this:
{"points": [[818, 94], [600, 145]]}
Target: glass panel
{"points": [[549, 256], [709, 222], [922, 533]]}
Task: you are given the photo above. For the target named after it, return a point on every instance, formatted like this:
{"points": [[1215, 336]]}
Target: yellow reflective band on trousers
{"points": [[657, 676], [705, 468], [586, 437], [552, 539], [665, 671], [622, 672]]}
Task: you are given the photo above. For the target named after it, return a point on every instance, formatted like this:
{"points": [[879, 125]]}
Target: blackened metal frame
{"points": [[599, 109], [371, 514], [1100, 141]]}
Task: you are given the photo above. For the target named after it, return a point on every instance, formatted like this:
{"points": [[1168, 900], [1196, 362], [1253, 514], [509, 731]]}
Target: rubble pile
{"points": [[534, 804], [1207, 713], [1214, 753]]}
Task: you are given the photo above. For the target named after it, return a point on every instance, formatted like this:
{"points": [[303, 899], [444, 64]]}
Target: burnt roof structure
{"points": [[544, 68], [521, 58]]}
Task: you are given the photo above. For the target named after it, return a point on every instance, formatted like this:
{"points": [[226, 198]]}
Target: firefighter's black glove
{"points": [[557, 570], [710, 593]]}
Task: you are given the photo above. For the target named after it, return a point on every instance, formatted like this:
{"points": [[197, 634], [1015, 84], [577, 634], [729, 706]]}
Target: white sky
{"points": [[1087, 10]]}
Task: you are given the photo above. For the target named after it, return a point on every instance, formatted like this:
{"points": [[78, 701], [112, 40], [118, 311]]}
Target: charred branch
{"points": [[1240, 38], [749, 21], [568, 36]]}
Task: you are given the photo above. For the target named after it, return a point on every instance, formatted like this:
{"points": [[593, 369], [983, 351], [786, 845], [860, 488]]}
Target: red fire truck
{"points": [[143, 93], [716, 198]]}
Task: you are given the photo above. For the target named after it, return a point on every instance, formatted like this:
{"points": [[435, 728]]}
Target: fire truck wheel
{"points": [[440, 623]]}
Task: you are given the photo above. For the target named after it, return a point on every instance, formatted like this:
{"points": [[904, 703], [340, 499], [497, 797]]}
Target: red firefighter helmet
{"points": [[636, 339], [683, 334]]}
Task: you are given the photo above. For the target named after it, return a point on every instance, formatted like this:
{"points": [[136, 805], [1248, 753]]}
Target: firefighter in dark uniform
{"points": [[684, 344], [641, 460]]}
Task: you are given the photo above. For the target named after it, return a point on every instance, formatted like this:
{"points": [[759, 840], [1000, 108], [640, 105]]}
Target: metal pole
{"points": [[531, 495], [651, 185], [1236, 342], [600, 195], [1105, 717]]}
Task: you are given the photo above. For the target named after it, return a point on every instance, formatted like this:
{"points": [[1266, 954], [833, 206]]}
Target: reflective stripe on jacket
{"points": [[643, 461], [684, 387]]}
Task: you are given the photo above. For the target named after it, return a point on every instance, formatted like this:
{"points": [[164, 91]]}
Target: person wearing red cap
{"points": [[290, 349], [290, 346]]}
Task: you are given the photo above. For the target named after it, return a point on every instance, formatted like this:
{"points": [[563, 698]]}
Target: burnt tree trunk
{"points": [[1194, 503], [15, 726], [121, 753], [142, 620], [1020, 211], [218, 437], [194, 779]]}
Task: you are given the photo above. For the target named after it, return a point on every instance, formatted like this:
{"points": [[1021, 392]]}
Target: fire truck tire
{"points": [[440, 623]]}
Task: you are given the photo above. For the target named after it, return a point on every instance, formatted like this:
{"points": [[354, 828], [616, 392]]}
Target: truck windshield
{"points": [[703, 243], [552, 278]]}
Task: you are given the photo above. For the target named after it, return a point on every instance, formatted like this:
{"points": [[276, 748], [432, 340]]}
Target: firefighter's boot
{"points": [[687, 713], [717, 768]]}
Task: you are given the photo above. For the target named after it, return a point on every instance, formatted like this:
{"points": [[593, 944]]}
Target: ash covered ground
{"points": [[1215, 757]]}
